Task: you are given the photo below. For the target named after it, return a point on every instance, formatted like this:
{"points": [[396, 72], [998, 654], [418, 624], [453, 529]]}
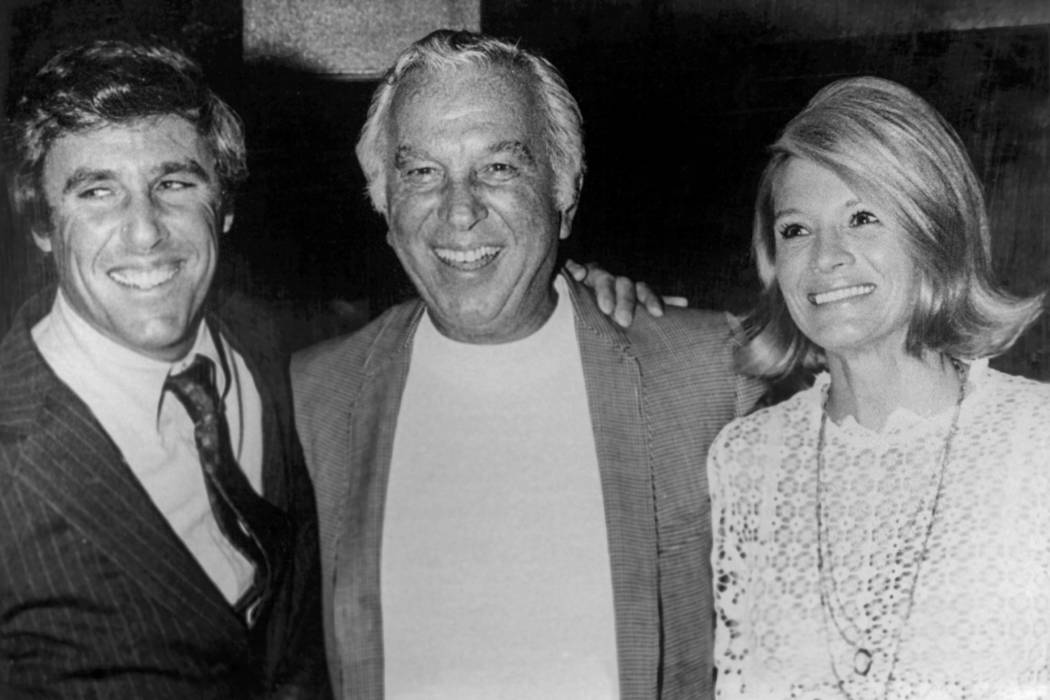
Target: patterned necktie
{"points": [[258, 529]]}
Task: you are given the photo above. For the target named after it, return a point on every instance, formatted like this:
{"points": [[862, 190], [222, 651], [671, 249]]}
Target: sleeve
{"points": [[727, 561], [298, 665]]}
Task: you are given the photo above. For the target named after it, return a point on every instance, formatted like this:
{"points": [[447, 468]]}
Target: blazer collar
{"points": [[589, 317], [26, 378]]}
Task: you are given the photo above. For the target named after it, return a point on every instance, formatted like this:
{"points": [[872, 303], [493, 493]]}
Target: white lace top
{"points": [[979, 620]]}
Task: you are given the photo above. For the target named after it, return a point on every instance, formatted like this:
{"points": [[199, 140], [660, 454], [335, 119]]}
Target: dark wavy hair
{"points": [[109, 82]]}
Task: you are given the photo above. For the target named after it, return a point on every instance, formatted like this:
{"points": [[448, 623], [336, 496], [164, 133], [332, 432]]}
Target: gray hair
{"points": [[446, 49]]}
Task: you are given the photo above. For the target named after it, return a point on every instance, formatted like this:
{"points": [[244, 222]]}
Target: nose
{"points": [[831, 250], [142, 228], [461, 206]]}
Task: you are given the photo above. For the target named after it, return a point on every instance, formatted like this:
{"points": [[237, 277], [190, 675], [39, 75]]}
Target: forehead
{"points": [[454, 102], [143, 145], [803, 180]]}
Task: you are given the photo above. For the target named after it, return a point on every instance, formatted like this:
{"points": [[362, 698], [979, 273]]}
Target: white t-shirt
{"points": [[496, 580]]}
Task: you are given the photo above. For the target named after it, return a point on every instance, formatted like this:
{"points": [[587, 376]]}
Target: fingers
{"points": [[619, 297], [578, 271], [680, 302], [625, 301], [649, 299]]}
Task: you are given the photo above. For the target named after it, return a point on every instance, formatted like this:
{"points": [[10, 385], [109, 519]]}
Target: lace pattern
{"points": [[979, 622]]}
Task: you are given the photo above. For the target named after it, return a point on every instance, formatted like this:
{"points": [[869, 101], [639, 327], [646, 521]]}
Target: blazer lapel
{"points": [[613, 381], [69, 460], [370, 435]]}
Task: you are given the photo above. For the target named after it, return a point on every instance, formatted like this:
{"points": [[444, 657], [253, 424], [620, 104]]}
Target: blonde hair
{"points": [[886, 143]]}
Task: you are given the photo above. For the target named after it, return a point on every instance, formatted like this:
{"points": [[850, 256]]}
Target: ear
{"points": [[565, 226], [42, 240], [569, 212]]}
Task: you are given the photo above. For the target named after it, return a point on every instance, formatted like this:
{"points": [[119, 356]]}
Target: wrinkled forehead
{"points": [[443, 97]]}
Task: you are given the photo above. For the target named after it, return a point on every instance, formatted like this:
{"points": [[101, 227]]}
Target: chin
{"points": [[164, 341]]}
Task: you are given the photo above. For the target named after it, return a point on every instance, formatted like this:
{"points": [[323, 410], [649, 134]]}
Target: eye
{"points": [[420, 175], [174, 185], [862, 218], [95, 193], [789, 231], [499, 172]]}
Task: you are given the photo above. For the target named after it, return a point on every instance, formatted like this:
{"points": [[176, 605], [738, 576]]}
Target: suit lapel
{"points": [[69, 460], [613, 381]]}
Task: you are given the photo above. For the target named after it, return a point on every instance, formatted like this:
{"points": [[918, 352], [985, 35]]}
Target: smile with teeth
{"points": [[145, 278], [841, 294], [471, 259]]}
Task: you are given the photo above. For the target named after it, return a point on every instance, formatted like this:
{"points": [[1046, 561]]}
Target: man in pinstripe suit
{"points": [[511, 488], [117, 578]]}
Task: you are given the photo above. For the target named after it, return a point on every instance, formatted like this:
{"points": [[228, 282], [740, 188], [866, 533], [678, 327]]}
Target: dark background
{"points": [[678, 107]]}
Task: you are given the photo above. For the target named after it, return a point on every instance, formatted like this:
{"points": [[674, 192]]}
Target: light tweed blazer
{"points": [[658, 392]]}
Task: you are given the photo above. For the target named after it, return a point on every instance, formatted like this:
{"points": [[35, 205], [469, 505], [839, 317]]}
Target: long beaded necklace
{"points": [[863, 658]]}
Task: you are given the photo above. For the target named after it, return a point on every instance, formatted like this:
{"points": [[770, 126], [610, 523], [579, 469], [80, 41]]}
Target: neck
{"points": [[872, 388]]}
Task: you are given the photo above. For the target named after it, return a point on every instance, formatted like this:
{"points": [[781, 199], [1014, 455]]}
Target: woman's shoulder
{"points": [[1010, 410], [1013, 394], [772, 425]]}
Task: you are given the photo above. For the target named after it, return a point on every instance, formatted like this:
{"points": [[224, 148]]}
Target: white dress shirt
{"points": [[125, 392]]}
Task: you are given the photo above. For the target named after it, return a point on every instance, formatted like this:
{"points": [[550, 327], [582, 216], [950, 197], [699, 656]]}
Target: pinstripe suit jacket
{"points": [[98, 596], [658, 393]]}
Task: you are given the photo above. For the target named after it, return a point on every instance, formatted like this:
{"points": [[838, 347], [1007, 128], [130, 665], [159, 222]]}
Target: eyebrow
{"points": [[189, 165], [84, 175], [405, 153], [517, 148], [792, 210]]}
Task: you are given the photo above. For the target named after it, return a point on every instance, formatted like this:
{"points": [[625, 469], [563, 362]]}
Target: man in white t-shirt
{"points": [[511, 488]]}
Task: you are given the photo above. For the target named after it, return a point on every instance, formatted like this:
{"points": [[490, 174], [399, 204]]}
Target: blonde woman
{"points": [[885, 533]]}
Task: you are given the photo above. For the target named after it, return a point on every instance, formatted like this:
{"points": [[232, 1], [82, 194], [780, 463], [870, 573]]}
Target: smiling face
{"points": [[470, 202], [135, 219], [841, 263]]}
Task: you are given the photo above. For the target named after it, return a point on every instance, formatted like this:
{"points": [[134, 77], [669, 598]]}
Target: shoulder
{"points": [[1012, 405], [699, 346], [327, 377], [348, 355], [1014, 389], [752, 438], [696, 344], [679, 332], [697, 331]]}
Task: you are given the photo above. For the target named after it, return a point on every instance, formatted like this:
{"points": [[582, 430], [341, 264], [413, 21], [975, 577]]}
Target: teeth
{"points": [[467, 257], [144, 278], [840, 294]]}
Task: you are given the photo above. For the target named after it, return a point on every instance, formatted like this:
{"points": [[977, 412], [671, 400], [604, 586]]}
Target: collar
{"points": [[27, 380], [590, 318], [68, 339]]}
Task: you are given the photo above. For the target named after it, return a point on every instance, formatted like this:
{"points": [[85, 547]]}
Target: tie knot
{"points": [[194, 387]]}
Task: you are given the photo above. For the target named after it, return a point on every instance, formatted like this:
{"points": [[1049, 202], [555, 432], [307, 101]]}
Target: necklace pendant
{"points": [[862, 662]]}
